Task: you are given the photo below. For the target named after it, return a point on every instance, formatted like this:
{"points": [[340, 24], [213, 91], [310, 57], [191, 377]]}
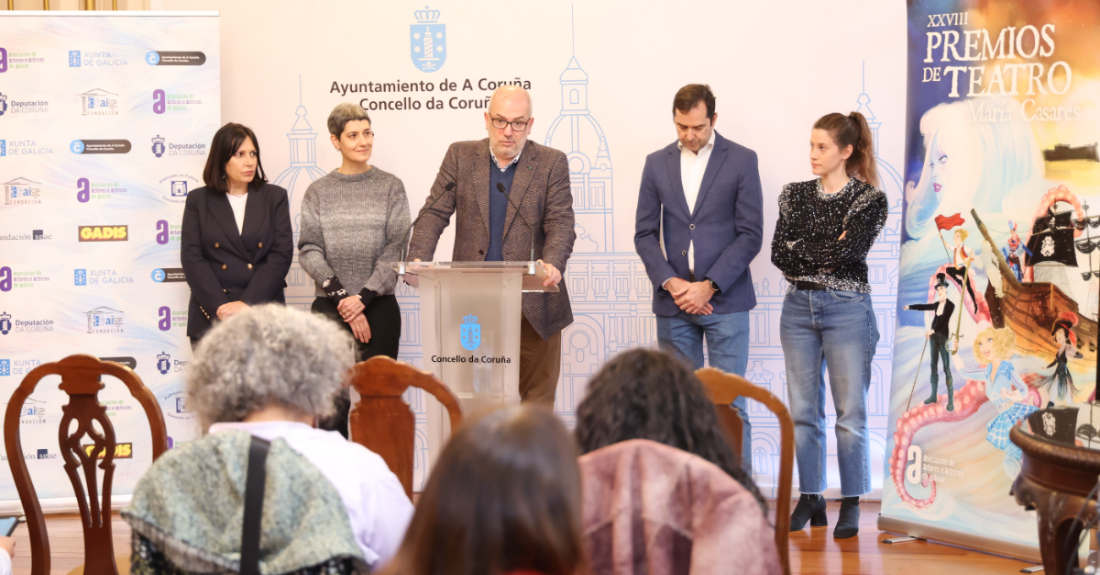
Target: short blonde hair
{"points": [[965, 234], [1004, 343]]}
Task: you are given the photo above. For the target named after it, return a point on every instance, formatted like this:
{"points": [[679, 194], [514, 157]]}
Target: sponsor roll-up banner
{"points": [[105, 122], [1002, 174]]}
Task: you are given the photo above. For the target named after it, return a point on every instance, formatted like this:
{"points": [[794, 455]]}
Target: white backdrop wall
{"points": [[774, 66]]}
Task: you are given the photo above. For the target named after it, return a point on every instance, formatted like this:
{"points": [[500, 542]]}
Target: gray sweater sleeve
{"points": [[311, 241], [383, 279]]}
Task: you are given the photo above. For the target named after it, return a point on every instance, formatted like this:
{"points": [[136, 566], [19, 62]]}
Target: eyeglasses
{"points": [[501, 123]]}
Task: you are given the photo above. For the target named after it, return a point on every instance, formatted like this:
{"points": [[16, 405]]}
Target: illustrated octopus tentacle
{"points": [[968, 399]]}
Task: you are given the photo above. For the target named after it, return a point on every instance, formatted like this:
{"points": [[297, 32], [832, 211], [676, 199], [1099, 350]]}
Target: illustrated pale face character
{"points": [[939, 166], [1060, 337], [958, 238], [941, 293], [985, 348], [356, 142]]}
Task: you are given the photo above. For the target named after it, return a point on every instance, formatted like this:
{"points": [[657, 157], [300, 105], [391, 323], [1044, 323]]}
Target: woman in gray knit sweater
{"points": [[353, 220]]}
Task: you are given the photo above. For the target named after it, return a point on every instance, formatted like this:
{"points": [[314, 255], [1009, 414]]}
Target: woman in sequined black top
{"points": [[826, 227]]}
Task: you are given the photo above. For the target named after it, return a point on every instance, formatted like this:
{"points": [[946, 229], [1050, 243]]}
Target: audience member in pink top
{"points": [[650, 509], [504, 498]]}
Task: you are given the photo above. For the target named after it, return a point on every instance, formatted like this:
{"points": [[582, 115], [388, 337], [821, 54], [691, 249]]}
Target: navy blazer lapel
{"points": [[521, 181], [676, 180], [714, 164], [254, 216], [223, 214], [481, 181]]}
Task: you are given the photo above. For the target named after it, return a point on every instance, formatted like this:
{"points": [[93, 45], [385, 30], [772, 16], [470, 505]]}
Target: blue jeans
{"points": [[837, 329], [727, 346]]}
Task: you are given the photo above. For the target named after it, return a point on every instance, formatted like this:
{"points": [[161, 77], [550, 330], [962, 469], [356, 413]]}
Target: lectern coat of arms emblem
{"points": [[470, 333]]}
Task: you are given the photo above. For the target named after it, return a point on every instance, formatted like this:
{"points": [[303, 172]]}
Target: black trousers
{"points": [[384, 316]]}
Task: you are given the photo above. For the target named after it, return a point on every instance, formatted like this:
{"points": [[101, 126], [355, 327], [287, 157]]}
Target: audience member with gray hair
{"points": [[270, 372], [353, 222]]}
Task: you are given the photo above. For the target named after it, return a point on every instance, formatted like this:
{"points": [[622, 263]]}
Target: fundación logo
{"points": [[22, 191], [104, 320], [98, 102], [178, 186], [470, 333], [428, 40]]}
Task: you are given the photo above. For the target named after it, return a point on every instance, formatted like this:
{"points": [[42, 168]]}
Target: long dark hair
{"points": [[226, 141], [853, 130], [505, 495], [646, 394]]}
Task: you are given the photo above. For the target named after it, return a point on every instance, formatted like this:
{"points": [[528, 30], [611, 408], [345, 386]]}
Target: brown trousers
{"points": [[539, 365]]}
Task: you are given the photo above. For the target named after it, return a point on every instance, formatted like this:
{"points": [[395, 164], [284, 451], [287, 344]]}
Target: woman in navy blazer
{"points": [[237, 242]]}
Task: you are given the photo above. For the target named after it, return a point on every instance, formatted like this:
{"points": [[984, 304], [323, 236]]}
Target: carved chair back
{"points": [[382, 422], [80, 379], [723, 388]]}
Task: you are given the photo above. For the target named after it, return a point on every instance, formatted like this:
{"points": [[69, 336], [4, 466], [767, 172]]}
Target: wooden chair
{"points": [[80, 379], [382, 422], [723, 388]]}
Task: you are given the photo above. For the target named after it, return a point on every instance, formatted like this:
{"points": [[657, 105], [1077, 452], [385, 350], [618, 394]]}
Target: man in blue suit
{"points": [[703, 192]]}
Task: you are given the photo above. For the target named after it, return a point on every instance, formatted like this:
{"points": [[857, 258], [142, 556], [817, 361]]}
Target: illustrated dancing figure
{"points": [[938, 335], [962, 260], [1004, 389], [1061, 381], [1012, 249]]}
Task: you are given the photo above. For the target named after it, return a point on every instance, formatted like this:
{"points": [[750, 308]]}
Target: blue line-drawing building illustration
{"points": [[302, 172]]}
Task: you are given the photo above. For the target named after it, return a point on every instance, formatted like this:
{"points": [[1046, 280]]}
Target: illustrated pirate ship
{"points": [[1030, 308]]}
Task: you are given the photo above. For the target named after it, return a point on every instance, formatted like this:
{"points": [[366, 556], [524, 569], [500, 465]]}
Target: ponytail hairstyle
{"points": [[852, 130]]}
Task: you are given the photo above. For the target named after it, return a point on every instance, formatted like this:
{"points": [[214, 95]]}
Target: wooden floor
{"points": [[813, 550]]}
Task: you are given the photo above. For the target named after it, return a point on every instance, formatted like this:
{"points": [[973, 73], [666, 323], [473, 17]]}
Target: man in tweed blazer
{"points": [[487, 229]]}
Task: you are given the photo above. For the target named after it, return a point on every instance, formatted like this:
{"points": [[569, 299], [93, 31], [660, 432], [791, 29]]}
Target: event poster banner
{"points": [[997, 299], [105, 123]]}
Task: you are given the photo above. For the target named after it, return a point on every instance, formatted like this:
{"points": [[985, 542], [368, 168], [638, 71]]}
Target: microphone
{"points": [[405, 239], [500, 188]]}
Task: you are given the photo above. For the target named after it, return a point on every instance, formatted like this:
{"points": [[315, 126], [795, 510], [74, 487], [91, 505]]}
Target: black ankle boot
{"points": [[810, 508], [847, 525]]}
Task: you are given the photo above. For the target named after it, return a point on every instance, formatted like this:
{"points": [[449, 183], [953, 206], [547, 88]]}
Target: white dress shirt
{"points": [[692, 167], [238, 204], [378, 509]]}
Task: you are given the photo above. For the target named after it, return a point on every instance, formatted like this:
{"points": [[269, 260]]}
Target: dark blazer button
{"points": [[216, 245], [225, 290], [260, 245], [691, 226], [223, 265], [481, 252], [249, 266], [685, 252]]}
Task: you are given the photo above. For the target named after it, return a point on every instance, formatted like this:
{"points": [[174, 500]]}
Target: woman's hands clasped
{"points": [[351, 310]]}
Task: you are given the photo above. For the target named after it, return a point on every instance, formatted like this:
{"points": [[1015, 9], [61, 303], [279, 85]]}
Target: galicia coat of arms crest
{"points": [[470, 333], [428, 40]]}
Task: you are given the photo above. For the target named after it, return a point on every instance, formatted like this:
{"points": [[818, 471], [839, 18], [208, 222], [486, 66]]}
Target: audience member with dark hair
{"points": [[331, 506], [236, 242], [503, 498], [647, 394]]}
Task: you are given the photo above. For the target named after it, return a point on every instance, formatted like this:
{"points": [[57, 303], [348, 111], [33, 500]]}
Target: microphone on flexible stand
{"points": [[531, 265], [404, 240]]}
